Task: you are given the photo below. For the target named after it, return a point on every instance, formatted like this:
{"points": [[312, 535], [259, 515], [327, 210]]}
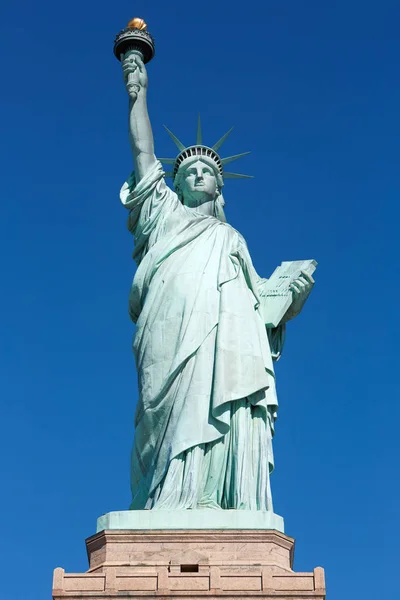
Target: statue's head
{"points": [[198, 181], [198, 174]]}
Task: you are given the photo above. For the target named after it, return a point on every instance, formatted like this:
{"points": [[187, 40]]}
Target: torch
{"points": [[135, 38]]}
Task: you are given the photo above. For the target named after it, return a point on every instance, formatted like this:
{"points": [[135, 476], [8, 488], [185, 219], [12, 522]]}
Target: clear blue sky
{"points": [[313, 91]]}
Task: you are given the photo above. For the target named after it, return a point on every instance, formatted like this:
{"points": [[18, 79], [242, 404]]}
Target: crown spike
{"points": [[167, 161], [218, 144], [175, 140], [199, 139], [237, 176], [229, 159]]}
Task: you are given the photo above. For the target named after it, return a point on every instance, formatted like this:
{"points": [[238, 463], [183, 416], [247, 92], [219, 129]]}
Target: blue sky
{"points": [[313, 91]]}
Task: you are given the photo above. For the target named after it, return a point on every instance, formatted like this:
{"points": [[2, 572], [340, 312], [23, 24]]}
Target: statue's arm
{"points": [[276, 338], [140, 131], [276, 335]]}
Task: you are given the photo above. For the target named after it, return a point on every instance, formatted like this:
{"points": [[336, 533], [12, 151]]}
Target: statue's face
{"points": [[199, 184]]}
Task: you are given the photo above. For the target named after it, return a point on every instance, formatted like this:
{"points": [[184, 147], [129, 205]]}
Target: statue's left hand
{"points": [[301, 289]]}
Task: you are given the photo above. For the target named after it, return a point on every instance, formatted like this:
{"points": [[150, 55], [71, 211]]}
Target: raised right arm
{"points": [[140, 132]]}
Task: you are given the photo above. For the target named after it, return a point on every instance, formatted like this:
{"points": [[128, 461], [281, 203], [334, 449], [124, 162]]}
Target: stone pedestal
{"points": [[196, 563]]}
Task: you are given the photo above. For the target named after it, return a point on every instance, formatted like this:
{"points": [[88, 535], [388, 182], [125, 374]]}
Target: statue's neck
{"points": [[202, 205], [205, 208]]}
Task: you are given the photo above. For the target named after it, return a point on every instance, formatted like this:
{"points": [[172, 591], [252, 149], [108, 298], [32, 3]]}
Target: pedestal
{"points": [[171, 563], [191, 519]]}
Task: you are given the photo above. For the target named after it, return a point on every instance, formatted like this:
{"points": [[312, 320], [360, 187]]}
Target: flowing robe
{"points": [[207, 399]]}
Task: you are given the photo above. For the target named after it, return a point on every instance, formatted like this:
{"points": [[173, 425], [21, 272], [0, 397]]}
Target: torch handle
{"points": [[131, 51]]}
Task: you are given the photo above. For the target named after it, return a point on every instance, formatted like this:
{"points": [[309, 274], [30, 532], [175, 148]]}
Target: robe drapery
{"points": [[207, 399]]}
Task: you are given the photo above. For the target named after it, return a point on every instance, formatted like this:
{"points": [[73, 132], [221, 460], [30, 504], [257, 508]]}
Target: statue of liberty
{"points": [[203, 345]]}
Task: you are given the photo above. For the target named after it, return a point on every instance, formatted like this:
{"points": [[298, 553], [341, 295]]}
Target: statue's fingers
{"points": [[130, 60], [300, 282], [294, 288], [128, 73], [140, 63], [303, 280], [136, 58], [308, 277], [304, 283], [129, 65], [126, 70]]}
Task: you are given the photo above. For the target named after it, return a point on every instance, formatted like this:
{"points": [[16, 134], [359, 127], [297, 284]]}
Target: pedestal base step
{"points": [[204, 563]]}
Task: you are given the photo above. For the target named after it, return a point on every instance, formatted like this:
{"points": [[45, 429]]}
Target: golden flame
{"points": [[136, 24]]}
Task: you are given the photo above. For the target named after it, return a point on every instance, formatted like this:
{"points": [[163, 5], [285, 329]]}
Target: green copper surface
{"points": [[208, 330]]}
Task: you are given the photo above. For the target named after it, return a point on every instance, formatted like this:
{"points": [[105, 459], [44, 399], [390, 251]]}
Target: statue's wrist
{"points": [[140, 100]]}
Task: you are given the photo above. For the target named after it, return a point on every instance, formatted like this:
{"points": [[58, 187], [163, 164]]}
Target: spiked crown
{"points": [[200, 150]]}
